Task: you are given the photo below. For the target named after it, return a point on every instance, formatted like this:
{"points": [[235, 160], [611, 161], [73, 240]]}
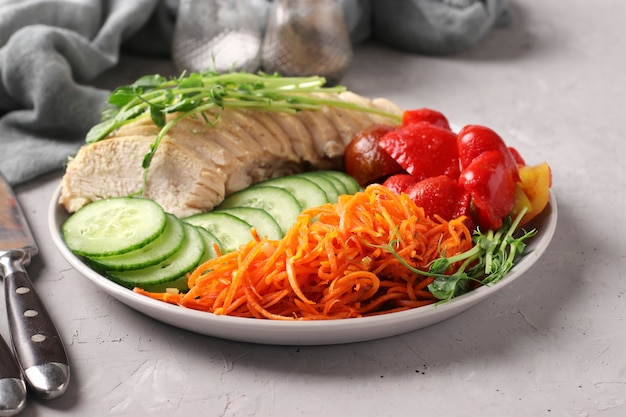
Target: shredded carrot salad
{"points": [[335, 262]]}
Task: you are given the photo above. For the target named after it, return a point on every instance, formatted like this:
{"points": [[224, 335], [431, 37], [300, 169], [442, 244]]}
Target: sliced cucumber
{"points": [[264, 224], [209, 242], [231, 231], [137, 244], [113, 226], [304, 190], [167, 272], [180, 284], [350, 184], [332, 193], [154, 252], [278, 202], [341, 187]]}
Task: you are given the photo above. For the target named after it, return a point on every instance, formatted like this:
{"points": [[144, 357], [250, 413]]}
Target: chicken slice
{"points": [[197, 163], [182, 183]]}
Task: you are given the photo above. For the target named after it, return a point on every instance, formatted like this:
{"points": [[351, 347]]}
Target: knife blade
{"points": [[38, 347]]}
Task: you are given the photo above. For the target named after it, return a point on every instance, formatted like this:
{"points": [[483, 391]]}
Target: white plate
{"points": [[321, 332]]}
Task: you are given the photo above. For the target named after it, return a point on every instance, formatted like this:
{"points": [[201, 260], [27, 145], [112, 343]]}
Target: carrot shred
{"points": [[333, 263]]}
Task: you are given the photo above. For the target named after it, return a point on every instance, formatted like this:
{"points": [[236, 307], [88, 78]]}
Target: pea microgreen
{"points": [[487, 262], [195, 93]]}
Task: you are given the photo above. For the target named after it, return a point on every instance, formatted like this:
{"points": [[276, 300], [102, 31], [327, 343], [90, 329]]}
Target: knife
{"points": [[38, 347], [12, 386]]}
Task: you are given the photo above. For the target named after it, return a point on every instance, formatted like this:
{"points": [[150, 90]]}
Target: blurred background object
{"points": [[315, 37], [222, 35], [56, 56], [435, 27], [306, 37]]}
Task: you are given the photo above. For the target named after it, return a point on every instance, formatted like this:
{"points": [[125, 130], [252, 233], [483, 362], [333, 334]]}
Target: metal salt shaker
{"points": [[306, 37], [220, 35]]}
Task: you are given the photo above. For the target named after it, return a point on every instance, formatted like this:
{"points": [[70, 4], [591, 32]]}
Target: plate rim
{"points": [[314, 332]]}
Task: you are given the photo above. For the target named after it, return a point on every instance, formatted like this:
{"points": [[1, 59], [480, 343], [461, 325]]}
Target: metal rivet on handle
{"points": [[31, 313], [22, 290], [38, 338]]}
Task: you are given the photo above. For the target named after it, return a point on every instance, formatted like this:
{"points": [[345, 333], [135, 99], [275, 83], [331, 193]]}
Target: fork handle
{"points": [[12, 386]]}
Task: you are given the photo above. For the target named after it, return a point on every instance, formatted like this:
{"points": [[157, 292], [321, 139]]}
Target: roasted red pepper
{"points": [[489, 173], [423, 150], [399, 183], [473, 173], [517, 156], [425, 115], [474, 140], [441, 196]]}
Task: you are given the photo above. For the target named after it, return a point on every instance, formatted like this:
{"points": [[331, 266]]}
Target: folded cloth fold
{"points": [[49, 53], [436, 27], [52, 51]]}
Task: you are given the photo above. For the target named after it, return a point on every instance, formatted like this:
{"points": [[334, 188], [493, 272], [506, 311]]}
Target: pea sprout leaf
{"points": [[488, 261], [445, 287], [189, 94], [122, 96], [157, 115]]}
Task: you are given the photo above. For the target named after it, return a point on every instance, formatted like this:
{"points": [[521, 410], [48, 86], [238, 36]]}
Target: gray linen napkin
{"points": [[52, 51], [49, 53], [436, 27]]}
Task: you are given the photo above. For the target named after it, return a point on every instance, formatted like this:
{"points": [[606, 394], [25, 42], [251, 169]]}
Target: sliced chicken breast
{"points": [[198, 163]]}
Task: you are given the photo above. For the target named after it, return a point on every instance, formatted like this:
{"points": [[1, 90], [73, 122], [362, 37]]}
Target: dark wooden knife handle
{"points": [[38, 346]]}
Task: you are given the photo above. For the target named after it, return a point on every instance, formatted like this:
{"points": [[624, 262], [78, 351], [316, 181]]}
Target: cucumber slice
{"points": [[352, 187], [304, 190], [231, 231], [113, 226], [341, 187], [166, 272], [264, 224], [180, 284], [278, 202], [154, 252], [209, 241], [332, 193]]}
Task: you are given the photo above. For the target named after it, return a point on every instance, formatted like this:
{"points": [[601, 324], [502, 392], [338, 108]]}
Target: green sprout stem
{"points": [[487, 262], [194, 94]]}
